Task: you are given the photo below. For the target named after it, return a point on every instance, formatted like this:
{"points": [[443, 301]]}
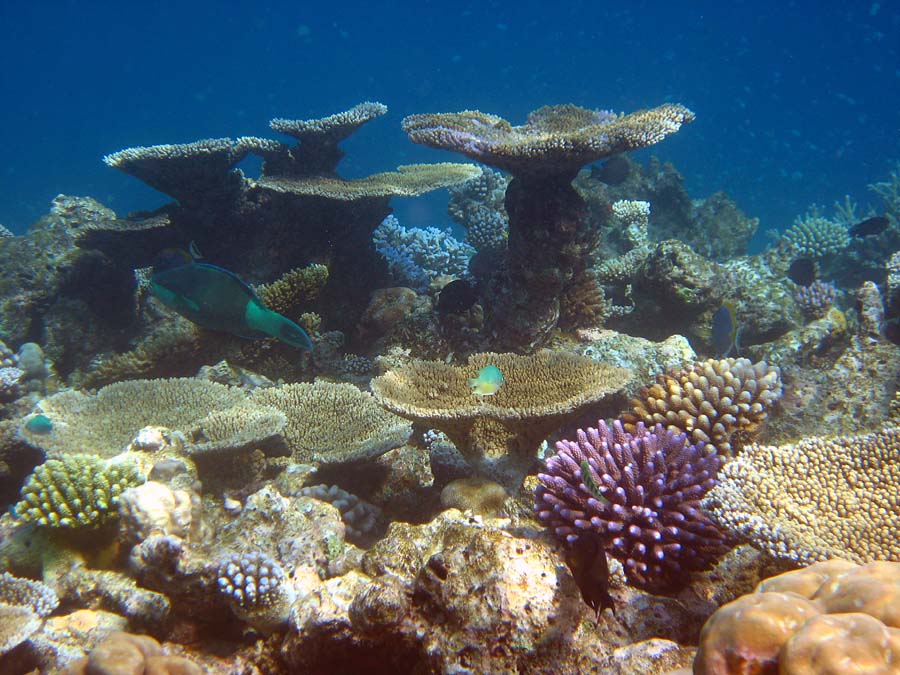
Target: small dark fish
{"points": [[870, 226], [725, 333], [613, 171], [803, 271], [456, 297], [587, 563]]}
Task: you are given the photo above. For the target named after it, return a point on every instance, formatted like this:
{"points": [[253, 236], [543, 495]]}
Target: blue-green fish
{"points": [[488, 382], [39, 424], [217, 299]]}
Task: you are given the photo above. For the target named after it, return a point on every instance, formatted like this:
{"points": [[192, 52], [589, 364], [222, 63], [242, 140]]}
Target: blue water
{"points": [[796, 103]]}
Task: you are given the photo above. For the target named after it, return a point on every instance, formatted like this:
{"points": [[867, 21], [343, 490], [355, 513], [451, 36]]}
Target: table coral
{"points": [[815, 499], [711, 401], [549, 235], [501, 432], [793, 625]]}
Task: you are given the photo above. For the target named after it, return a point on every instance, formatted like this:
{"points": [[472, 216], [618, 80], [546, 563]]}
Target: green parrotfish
{"points": [[39, 424], [488, 382], [214, 298]]}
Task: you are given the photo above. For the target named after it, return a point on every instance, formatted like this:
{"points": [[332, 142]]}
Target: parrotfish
{"points": [[725, 334], [39, 424], [214, 298], [488, 382]]}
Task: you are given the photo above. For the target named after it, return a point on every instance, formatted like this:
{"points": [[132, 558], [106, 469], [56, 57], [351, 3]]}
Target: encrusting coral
{"points": [[640, 495], [816, 499], [549, 234], [832, 618], [540, 394], [75, 491], [331, 423], [711, 401]]}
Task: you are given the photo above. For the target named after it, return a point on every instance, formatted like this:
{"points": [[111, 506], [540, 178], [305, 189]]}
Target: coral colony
{"points": [[329, 441]]}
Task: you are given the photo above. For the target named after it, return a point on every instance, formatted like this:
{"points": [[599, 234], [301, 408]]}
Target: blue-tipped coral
{"points": [[76, 491], [639, 495], [257, 590]]}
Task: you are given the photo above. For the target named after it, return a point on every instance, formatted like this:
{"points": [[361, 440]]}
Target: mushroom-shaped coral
{"points": [[540, 394], [711, 401], [75, 491], [333, 423], [640, 493], [257, 589], [23, 605], [549, 234], [816, 499], [792, 624]]}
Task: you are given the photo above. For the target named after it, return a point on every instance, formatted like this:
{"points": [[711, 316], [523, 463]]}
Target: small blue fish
{"points": [[488, 382], [725, 333], [39, 424]]}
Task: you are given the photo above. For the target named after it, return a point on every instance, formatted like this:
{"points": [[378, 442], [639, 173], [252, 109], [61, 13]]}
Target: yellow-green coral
{"points": [[817, 499], [711, 401], [294, 289], [76, 491]]}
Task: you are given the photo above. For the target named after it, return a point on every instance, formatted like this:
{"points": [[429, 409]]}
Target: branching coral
{"points": [[290, 293], [816, 499], [477, 205], [257, 589], [23, 605], [540, 394], [832, 618], [815, 236], [76, 491], [816, 299], [640, 494], [711, 402]]}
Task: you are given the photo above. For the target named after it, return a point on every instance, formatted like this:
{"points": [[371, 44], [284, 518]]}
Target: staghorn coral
{"points": [[550, 236], [410, 180], [540, 394], [816, 299], [290, 293], [104, 423], [257, 589], [832, 618], [815, 499], [554, 139], [75, 491], [333, 423], [815, 236], [711, 401], [640, 494]]}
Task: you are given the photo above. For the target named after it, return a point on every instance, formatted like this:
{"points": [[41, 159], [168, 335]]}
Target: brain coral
{"points": [[640, 493], [817, 499], [832, 618], [540, 394], [710, 401]]}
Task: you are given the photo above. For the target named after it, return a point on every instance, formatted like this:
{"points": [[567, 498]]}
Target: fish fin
{"points": [[737, 340]]}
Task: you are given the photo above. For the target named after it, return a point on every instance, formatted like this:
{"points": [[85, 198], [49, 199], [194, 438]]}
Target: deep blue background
{"points": [[796, 102]]}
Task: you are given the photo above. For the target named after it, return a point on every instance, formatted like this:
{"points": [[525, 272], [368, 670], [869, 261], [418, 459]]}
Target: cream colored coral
{"points": [[333, 423], [336, 126], [634, 217], [406, 181], [540, 394], [816, 499], [711, 402]]}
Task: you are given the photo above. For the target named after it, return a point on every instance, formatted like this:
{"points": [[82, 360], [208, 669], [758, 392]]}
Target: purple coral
{"points": [[816, 299], [639, 493]]}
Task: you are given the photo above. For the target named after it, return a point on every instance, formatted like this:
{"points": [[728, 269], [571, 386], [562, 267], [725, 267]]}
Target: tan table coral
{"points": [[816, 499], [541, 393], [832, 618]]}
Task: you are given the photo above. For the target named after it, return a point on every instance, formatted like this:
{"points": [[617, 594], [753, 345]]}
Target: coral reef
{"points": [[549, 234], [814, 236], [75, 491], [831, 617], [257, 590], [499, 433], [816, 499], [333, 423], [639, 494], [816, 299], [717, 401], [122, 653], [364, 521], [23, 606], [477, 205]]}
